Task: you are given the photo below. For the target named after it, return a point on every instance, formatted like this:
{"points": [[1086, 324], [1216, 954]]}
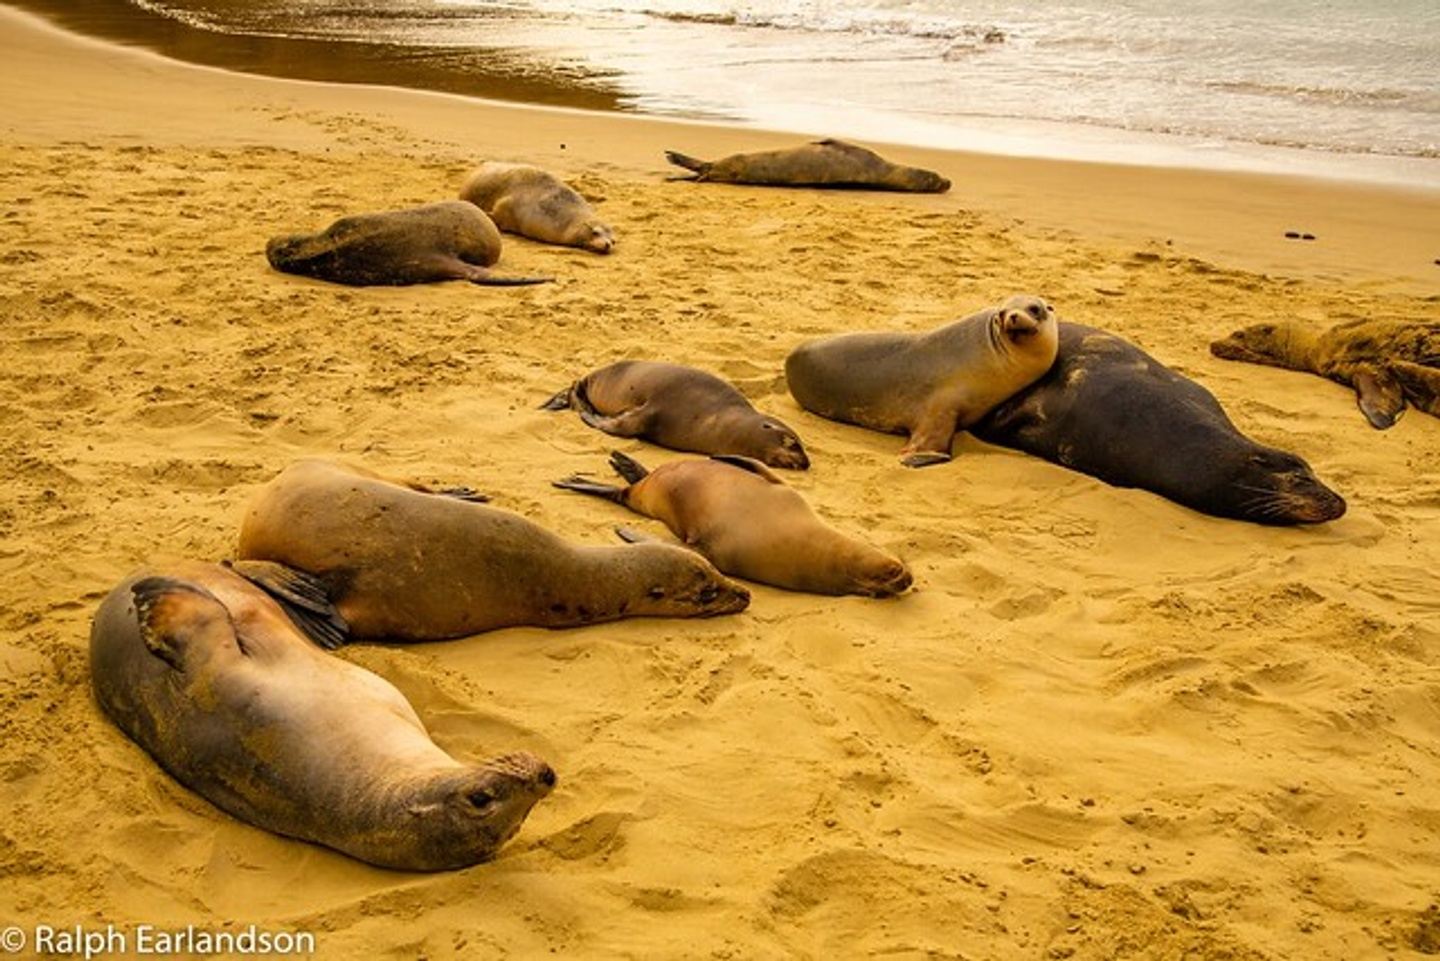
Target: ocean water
{"points": [[1329, 77]]}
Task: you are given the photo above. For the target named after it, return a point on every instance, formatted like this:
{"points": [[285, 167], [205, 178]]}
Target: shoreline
{"points": [[509, 76]]}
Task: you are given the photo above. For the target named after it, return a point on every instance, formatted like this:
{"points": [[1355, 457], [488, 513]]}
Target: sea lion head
{"points": [[281, 251], [880, 575], [773, 443], [925, 181], [482, 808], [681, 583], [1023, 316], [1258, 344], [595, 236], [1276, 487]]}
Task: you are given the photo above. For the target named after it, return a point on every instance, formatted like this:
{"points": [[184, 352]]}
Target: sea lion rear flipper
{"points": [[302, 596], [628, 467], [748, 463], [462, 493], [559, 401], [174, 615], [1421, 385], [700, 167], [1379, 395], [628, 423], [583, 486], [631, 536]]}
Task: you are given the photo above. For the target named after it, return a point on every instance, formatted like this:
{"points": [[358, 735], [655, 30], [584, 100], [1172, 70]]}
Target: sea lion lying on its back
{"points": [[206, 673], [1388, 362], [1110, 410], [453, 240], [824, 163], [926, 385], [532, 203], [408, 565], [681, 408], [750, 524]]}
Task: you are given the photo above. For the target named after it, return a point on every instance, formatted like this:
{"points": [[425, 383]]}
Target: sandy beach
{"points": [[1102, 725]]}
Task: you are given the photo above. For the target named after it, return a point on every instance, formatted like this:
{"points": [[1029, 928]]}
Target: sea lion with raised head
{"points": [[453, 240], [530, 202], [1110, 410], [750, 524], [681, 408], [204, 671], [404, 565], [927, 385], [1389, 363], [824, 163]]}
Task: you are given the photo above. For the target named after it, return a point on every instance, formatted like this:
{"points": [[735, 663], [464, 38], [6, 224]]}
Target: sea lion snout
{"points": [[598, 238], [892, 579]]}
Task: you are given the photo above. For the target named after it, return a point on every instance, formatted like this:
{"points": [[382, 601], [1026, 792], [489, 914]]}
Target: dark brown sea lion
{"points": [[926, 385], [453, 240], [206, 673], [1110, 410], [824, 163], [749, 524], [1389, 363], [681, 408], [405, 565], [533, 203]]}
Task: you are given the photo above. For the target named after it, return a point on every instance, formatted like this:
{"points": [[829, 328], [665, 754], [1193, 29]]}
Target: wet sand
{"points": [[1102, 725]]}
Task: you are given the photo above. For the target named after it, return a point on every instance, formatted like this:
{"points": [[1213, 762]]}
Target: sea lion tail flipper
{"points": [[583, 486], [560, 400], [1420, 383], [1379, 395], [700, 167], [173, 615], [628, 467], [748, 463], [302, 596]]}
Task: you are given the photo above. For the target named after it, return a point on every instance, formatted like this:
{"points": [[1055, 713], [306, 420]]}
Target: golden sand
{"points": [[1102, 726]]}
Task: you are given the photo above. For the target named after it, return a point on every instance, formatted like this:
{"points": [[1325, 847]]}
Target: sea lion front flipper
{"points": [[483, 277], [925, 458], [174, 615], [748, 463], [1421, 385], [460, 492], [631, 536], [302, 596], [1379, 395], [930, 439]]}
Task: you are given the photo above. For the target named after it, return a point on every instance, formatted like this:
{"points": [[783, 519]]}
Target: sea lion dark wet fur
{"points": [[205, 672], [406, 565], [1112, 411], [453, 240], [681, 408], [1389, 363], [824, 163]]}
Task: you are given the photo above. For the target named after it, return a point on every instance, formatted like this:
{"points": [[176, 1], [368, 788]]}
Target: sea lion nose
{"points": [[546, 776]]}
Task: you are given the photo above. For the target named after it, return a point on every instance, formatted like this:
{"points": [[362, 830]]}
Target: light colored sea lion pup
{"points": [[749, 524], [528, 201], [824, 163], [927, 385], [453, 240], [681, 408], [1389, 363], [206, 673], [405, 565]]}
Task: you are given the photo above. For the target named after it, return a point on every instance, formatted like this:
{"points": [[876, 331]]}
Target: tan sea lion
{"points": [[824, 163], [927, 385], [406, 565], [528, 201], [453, 240], [1110, 410], [750, 524], [206, 673], [1389, 363], [681, 408]]}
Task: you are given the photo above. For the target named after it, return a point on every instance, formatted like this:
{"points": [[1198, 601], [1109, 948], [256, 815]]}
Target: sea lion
{"points": [[406, 565], [206, 673], [528, 201], [681, 408], [749, 524], [927, 385], [453, 240], [1110, 410], [1388, 362], [824, 163]]}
